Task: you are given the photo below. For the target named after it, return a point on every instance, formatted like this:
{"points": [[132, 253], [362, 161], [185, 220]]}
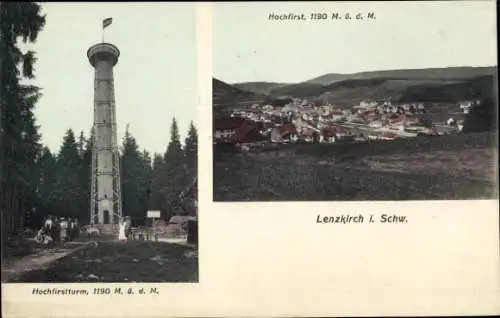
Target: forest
{"points": [[62, 180]]}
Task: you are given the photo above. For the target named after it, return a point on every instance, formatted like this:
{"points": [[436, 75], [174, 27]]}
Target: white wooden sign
{"points": [[154, 214]]}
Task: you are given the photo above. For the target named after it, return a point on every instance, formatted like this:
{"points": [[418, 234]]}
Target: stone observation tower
{"points": [[105, 194]]}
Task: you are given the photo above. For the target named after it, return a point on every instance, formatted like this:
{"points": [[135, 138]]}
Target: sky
{"points": [[155, 78], [248, 47]]}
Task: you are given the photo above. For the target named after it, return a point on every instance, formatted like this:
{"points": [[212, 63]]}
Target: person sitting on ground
{"points": [[42, 237]]}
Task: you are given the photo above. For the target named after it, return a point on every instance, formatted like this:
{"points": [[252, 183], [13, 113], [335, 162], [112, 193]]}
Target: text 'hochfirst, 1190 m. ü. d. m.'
{"points": [[345, 219]]}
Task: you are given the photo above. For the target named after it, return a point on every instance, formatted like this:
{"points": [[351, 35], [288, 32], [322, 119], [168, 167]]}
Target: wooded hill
{"points": [[226, 96], [448, 85]]}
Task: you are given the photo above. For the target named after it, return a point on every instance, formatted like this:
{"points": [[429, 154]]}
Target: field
{"points": [[436, 174], [132, 261]]}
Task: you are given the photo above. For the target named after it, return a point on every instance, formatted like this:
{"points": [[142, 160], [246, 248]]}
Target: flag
{"points": [[106, 22]]}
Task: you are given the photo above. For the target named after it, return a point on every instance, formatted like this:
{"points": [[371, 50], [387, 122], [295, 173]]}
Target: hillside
{"points": [[264, 88], [447, 73], [351, 92], [393, 81], [441, 85], [226, 96]]}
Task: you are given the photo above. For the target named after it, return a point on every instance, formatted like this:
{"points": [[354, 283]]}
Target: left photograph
{"points": [[98, 158]]}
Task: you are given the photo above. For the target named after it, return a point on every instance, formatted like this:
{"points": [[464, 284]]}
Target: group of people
{"points": [[55, 229]]}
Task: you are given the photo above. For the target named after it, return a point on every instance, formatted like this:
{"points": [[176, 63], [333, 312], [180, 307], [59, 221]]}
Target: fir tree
{"points": [[18, 131], [69, 187], [174, 174], [155, 195], [134, 180], [191, 149]]}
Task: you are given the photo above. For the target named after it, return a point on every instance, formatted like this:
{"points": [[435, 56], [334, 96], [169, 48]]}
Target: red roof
{"points": [[245, 133], [308, 132], [241, 133], [396, 120], [330, 131], [389, 135], [286, 129]]}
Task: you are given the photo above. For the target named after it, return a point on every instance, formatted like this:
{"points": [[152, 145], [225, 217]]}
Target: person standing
{"points": [[128, 226], [122, 232], [77, 227], [64, 230], [71, 229], [56, 228], [48, 223]]}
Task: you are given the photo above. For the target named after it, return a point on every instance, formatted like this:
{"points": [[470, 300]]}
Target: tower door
{"points": [[106, 217]]}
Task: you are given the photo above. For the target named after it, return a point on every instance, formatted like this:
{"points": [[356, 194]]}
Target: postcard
{"points": [[249, 159]]}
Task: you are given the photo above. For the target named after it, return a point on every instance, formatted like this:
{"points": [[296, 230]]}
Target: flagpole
{"points": [[105, 23]]}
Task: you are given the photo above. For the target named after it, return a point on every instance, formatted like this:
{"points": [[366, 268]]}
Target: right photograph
{"points": [[350, 102]]}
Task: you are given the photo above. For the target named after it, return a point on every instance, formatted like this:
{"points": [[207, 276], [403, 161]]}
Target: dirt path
{"points": [[14, 268]]}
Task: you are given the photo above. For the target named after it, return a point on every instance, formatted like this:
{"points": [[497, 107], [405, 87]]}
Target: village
{"points": [[302, 121]]}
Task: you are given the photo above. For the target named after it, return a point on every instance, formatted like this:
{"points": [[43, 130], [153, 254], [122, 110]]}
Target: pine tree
{"points": [[18, 131], [155, 194], [146, 179], [133, 179], [81, 144], [174, 174], [68, 187], [191, 149], [46, 203]]}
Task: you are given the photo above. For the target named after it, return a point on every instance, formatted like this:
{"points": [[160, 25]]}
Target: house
{"points": [[282, 133], [246, 134], [267, 108], [177, 226], [364, 104], [337, 115], [224, 128], [325, 110], [388, 136], [299, 123], [290, 108], [328, 135], [375, 124], [307, 116], [357, 120], [309, 134]]}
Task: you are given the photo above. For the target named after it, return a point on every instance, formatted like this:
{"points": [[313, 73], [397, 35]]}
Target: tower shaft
{"points": [[105, 199]]}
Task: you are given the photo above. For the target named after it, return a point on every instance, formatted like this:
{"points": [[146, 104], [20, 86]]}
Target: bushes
{"points": [[482, 117]]}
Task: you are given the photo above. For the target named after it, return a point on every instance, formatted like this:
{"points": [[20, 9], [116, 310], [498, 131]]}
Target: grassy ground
{"points": [[132, 261], [431, 175]]}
